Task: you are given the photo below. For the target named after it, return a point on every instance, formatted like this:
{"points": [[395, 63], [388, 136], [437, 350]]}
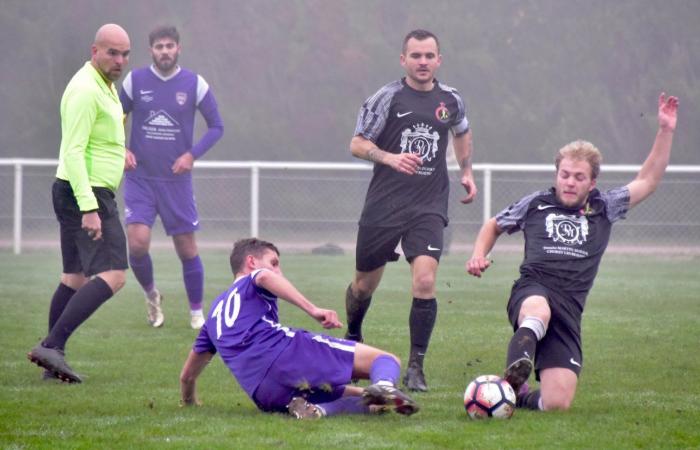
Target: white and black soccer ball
{"points": [[489, 396]]}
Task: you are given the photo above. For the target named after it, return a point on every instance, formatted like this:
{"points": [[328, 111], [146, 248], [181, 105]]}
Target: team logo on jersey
{"points": [[181, 98], [571, 230], [421, 141], [160, 118], [442, 113]]}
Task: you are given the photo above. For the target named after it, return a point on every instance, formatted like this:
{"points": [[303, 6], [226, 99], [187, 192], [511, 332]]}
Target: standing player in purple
{"points": [[566, 231], [403, 129], [287, 369], [163, 99]]}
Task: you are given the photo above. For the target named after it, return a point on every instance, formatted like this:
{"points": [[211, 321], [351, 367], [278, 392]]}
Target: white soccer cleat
{"points": [[196, 320], [154, 308]]}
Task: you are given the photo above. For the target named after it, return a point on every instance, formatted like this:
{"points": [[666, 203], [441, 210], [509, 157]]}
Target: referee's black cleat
{"points": [[389, 397], [53, 361], [518, 372], [414, 380]]}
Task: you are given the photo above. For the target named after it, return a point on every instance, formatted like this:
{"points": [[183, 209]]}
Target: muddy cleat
{"points": [[303, 410], [196, 320], [389, 396], [521, 394], [518, 372], [155, 310], [414, 380], [54, 361]]}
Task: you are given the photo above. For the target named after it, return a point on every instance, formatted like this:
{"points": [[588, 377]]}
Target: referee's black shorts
{"points": [[80, 253]]}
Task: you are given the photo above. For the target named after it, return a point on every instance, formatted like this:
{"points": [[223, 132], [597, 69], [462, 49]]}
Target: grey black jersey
{"points": [[564, 246], [400, 119]]}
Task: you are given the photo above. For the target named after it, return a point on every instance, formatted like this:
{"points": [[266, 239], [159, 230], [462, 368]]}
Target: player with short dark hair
{"points": [[284, 369], [403, 129], [90, 168], [163, 100], [566, 231]]}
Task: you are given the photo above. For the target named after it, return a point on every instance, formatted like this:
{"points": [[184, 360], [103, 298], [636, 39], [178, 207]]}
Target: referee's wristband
{"points": [[88, 212]]}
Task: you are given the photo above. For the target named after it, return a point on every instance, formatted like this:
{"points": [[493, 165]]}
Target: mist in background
{"points": [[290, 75]]}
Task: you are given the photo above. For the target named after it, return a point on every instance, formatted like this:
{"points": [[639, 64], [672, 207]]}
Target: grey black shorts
{"points": [[561, 345], [376, 245], [80, 253]]}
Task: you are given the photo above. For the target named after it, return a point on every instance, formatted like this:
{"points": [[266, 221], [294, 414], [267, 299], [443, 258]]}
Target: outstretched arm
{"points": [[284, 289], [485, 241], [463, 152], [194, 365], [363, 148], [654, 167]]}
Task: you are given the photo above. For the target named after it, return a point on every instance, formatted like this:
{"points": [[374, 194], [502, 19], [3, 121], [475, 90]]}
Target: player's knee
{"points": [[116, 279], [557, 404], [561, 401], [424, 285], [361, 290]]}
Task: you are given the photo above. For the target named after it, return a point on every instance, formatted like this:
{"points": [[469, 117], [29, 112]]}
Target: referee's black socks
{"points": [[81, 306]]}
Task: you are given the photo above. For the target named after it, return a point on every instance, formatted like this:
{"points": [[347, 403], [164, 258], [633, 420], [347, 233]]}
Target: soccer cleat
{"points": [[196, 320], [155, 310], [521, 394], [354, 337], [414, 380], [518, 372], [54, 361], [391, 397], [49, 376], [303, 410]]}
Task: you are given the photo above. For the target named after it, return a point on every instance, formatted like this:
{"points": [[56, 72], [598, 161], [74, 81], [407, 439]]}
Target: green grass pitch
{"points": [[639, 388]]}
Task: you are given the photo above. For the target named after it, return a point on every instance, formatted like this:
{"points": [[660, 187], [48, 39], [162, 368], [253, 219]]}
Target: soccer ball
{"points": [[489, 396]]}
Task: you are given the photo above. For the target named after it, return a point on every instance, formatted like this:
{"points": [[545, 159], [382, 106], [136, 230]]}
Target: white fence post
{"points": [[487, 194], [17, 219], [254, 200]]}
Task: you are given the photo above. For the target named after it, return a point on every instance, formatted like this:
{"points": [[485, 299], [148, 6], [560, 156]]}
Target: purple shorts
{"points": [[173, 201], [314, 366]]}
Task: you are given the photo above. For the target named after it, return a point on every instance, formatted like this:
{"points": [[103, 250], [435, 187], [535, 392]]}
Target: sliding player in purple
{"points": [[163, 99], [286, 369]]}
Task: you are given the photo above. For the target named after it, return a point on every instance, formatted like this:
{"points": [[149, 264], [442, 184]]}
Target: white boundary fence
{"points": [[256, 167]]}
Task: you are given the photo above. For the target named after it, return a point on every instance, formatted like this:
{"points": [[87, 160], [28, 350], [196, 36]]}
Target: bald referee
{"points": [[90, 168]]}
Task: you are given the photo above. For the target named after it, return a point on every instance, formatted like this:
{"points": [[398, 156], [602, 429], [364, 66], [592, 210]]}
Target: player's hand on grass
{"points": [[190, 402], [183, 164], [477, 265], [407, 163], [327, 318], [129, 160]]}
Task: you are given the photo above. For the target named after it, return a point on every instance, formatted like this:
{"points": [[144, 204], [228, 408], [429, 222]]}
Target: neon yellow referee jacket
{"points": [[92, 136]]}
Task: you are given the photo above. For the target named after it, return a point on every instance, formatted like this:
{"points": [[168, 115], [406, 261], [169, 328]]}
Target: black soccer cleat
{"points": [[518, 372], [389, 397], [53, 360], [414, 380]]}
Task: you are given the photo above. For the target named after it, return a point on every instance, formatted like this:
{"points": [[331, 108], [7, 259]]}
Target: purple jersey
{"points": [[162, 126], [242, 326]]}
